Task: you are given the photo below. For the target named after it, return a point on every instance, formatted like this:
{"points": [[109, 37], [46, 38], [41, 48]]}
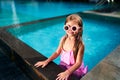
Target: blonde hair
{"points": [[74, 17], [78, 40]]}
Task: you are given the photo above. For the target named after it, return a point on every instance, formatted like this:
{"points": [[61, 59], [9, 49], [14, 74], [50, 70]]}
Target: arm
{"points": [[52, 57]]}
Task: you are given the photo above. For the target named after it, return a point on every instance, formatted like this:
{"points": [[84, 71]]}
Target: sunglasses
{"points": [[73, 28]]}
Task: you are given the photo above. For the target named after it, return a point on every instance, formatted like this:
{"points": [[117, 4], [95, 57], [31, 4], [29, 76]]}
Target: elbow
{"points": [[78, 64]]}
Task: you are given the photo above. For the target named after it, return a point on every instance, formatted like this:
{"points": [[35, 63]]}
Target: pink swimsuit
{"points": [[67, 60]]}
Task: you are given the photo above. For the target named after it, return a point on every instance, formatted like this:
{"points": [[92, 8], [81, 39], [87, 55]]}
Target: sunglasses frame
{"points": [[68, 27]]}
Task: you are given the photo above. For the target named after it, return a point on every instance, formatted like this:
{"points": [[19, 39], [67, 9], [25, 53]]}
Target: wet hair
{"points": [[78, 41]]}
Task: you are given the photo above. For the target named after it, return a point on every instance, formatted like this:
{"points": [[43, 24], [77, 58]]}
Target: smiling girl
{"points": [[70, 49]]}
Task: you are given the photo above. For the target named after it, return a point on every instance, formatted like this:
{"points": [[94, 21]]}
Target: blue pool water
{"points": [[14, 12], [100, 38]]}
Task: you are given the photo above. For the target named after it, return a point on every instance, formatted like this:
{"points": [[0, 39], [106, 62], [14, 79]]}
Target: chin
{"points": [[71, 35]]}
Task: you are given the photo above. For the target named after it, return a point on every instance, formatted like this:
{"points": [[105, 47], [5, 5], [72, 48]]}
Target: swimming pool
{"points": [[14, 12], [100, 37]]}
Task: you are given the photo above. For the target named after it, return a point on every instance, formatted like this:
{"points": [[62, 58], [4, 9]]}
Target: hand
{"points": [[41, 63], [63, 75]]}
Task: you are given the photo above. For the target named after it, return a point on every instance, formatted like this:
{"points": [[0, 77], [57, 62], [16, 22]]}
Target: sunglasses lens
{"points": [[74, 28], [66, 27]]}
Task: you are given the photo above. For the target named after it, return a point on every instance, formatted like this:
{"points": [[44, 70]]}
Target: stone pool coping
{"points": [[107, 69], [25, 57]]}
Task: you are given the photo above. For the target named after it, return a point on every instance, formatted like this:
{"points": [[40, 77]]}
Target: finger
{"points": [[60, 78], [66, 78], [43, 66], [57, 78], [59, 74], [37, 63]]}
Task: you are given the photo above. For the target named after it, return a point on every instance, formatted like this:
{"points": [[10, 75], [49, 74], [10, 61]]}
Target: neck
{"points": [[71, 37]]}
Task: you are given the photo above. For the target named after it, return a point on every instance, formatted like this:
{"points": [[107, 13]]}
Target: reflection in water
{"points": [[19, 11], [0, 7], [14, 16]]}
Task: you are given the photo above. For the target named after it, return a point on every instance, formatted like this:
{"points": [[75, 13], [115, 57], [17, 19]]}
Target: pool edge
{"points": [[107, 69], [25, 57]]}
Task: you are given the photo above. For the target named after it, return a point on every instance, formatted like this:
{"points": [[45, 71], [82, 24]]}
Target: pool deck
{"points": [[109, 67], [112, 14]]}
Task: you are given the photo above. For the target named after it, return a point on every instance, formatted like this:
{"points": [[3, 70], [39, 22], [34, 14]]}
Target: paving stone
{"points": [[107, 69]]}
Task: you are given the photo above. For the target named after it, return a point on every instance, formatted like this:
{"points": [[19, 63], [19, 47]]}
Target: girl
{"points": [[71, 49]]}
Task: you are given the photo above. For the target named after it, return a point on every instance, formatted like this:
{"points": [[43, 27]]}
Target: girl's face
{"points": [[72, 28]]}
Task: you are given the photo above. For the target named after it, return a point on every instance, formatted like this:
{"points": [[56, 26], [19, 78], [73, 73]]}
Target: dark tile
{"points": [[9, 70]]}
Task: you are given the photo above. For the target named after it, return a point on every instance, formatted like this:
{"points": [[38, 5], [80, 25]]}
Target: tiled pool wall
{"points": [[100, 17], [25, 57]]}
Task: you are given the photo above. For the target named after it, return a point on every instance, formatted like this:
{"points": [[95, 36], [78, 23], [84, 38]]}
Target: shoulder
{"points": [[81, 47], [62, 42], [63, 38], [81, 44]]}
